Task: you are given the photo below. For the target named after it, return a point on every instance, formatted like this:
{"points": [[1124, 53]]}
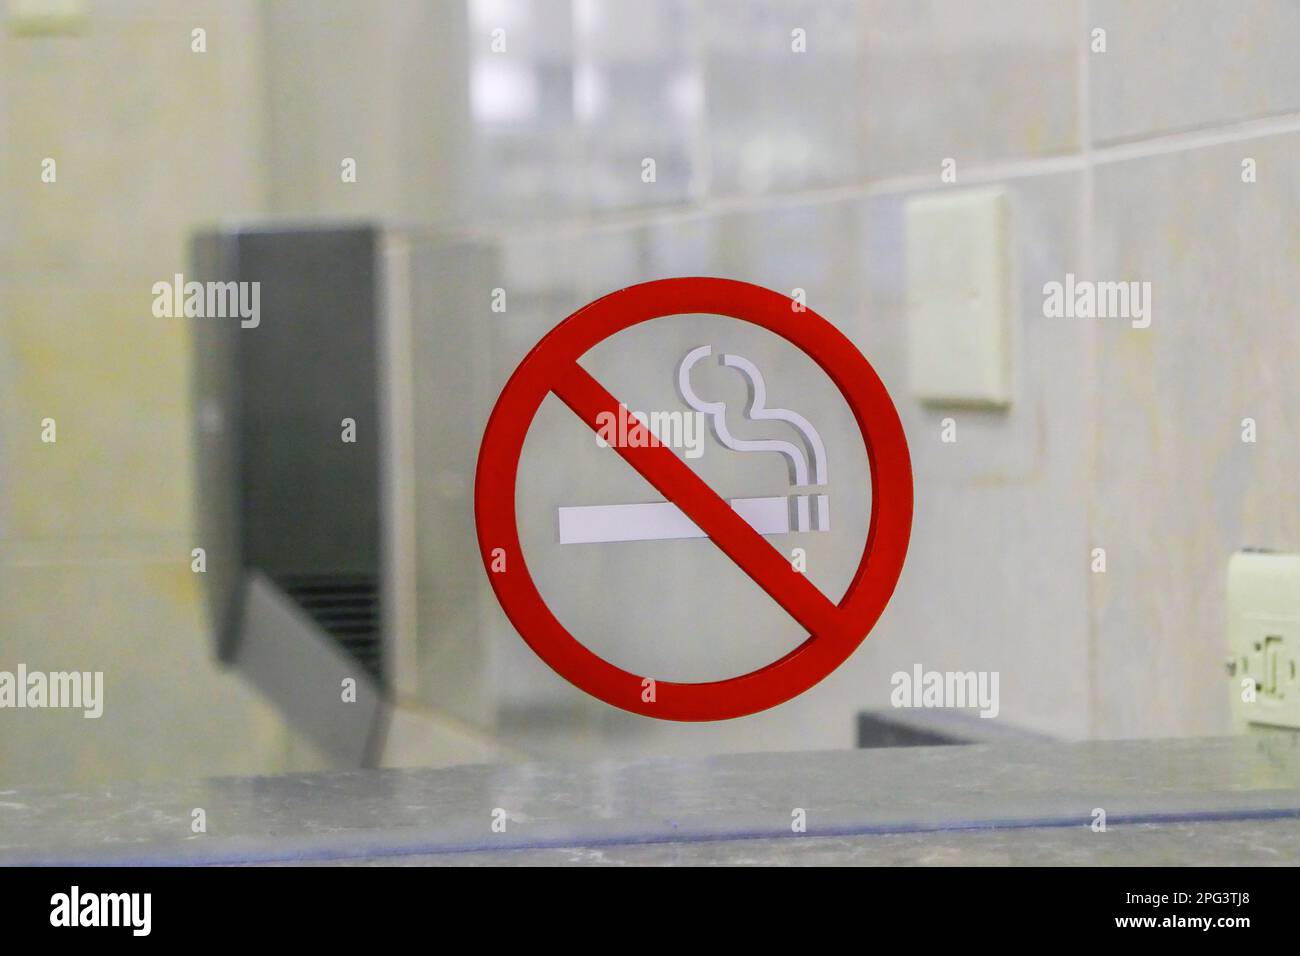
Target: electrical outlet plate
{"points": [[1264, 639]]}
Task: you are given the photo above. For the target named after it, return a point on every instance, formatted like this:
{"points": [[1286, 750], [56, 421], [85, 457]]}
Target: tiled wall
{"points": [[1173, 484], [95, 533], [1118, 165], [786, 168], [379, 83], [1123, 164]]}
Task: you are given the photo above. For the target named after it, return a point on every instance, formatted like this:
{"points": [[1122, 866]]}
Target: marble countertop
{"points": [[1204, 801]]}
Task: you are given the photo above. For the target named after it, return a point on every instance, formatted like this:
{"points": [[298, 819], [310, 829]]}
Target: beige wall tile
{"points": [[777, 119], [150, 139], [115, 380], [168, 710], [1188, 64], [976, 81], [384, 84]]}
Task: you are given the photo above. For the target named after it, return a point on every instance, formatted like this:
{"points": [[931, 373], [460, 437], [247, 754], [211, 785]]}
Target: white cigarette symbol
{"points": [[661, 520]]}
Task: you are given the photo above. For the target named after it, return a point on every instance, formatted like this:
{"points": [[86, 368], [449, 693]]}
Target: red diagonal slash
{"points": [[674, 479]]}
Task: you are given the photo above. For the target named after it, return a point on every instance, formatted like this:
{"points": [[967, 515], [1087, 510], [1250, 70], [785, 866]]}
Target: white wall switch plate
{"points": [[1264, 639], [958, 301]]}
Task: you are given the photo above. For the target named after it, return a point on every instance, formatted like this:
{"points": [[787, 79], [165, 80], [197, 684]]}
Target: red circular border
{"points": [[891, 498]]}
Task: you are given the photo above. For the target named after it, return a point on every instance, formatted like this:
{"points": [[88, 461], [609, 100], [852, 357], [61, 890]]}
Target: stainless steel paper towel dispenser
{"points": [[304, 498]]}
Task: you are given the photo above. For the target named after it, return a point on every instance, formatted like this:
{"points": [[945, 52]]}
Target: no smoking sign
{"points": [[834, 629]]}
